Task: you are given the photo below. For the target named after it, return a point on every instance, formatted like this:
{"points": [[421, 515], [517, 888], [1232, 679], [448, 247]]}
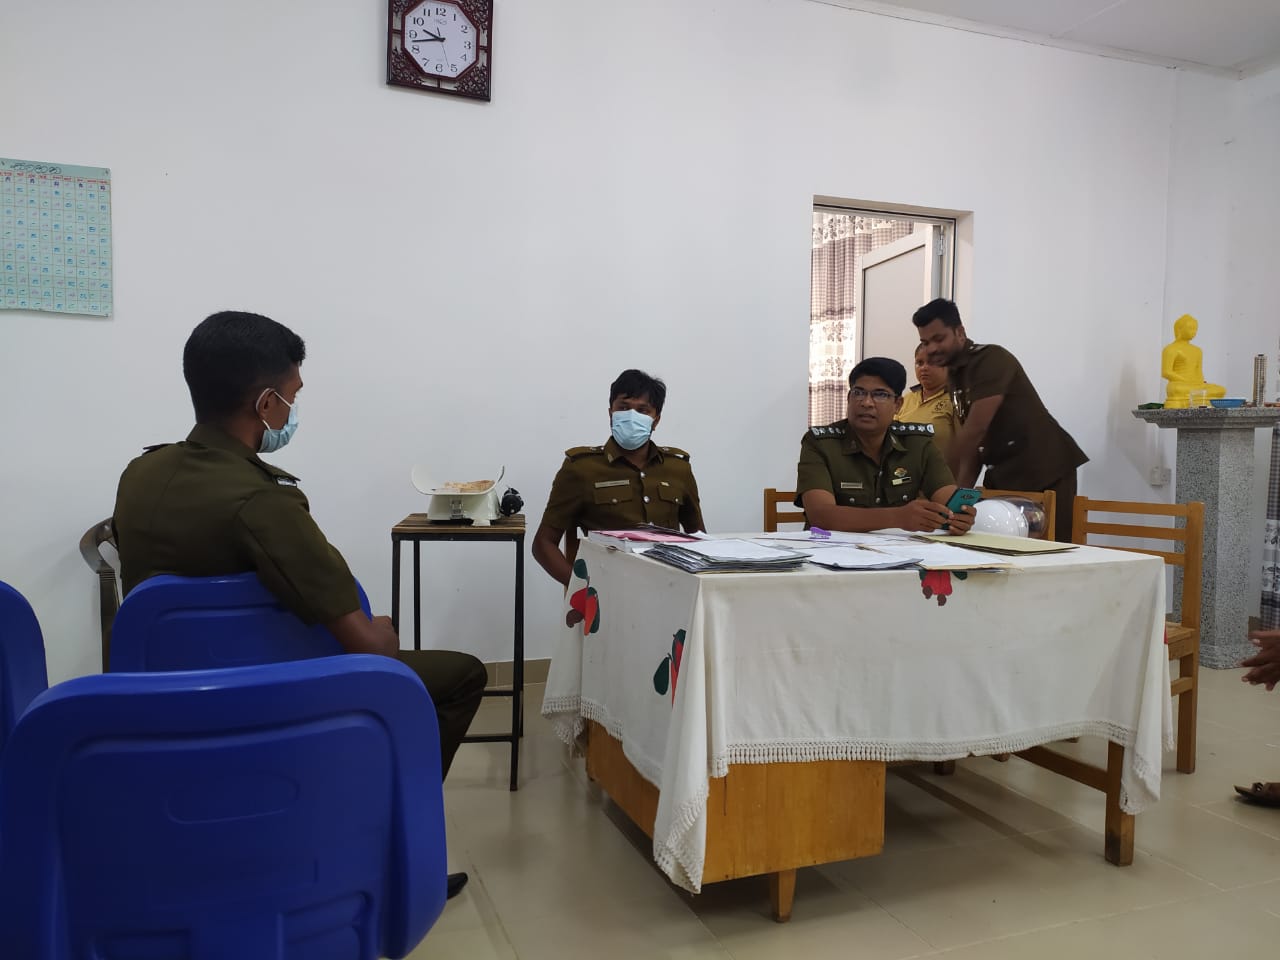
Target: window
{"points": [[870, 272]]}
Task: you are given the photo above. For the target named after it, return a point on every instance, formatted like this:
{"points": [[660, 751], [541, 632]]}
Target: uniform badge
{"points": [[612, 483], [850, 485], [286, 481]]}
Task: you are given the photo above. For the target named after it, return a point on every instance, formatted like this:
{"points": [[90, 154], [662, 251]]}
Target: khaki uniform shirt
{"points": [[938, 411], [910, 466], [1025, 447], [597, 488], [208, 506]]}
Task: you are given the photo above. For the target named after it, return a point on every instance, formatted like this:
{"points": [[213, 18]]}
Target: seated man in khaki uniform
{"points": [[929, 401], [209, 505], [867, 472], [628, 481]]}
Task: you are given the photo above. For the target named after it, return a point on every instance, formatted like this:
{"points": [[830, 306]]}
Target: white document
{"points": [[941, 556], [856, 558]]}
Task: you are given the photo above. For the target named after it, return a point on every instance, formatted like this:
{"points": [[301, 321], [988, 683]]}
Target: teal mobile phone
{"points": [[963, 497]]}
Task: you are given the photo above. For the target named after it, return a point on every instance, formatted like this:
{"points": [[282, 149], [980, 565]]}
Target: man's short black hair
{"points": [[890, 371], [940, 309], [636, 384], [231, 355]]}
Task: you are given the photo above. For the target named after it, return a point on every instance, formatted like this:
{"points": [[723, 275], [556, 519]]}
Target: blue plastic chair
{"points": [[286, 810], [204, 623], [22, 667]]}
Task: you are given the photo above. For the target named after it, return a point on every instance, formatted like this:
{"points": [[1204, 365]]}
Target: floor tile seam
{"points": [[1164, 861], [1246, 826], [1090, 918], [971, 843]]}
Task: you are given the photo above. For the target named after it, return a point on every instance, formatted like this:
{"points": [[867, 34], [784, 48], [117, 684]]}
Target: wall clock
{"points": [[445, 46]]}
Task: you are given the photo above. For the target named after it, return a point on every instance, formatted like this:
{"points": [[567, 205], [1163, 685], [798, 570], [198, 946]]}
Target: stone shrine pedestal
{"points": [[1215, 466]]}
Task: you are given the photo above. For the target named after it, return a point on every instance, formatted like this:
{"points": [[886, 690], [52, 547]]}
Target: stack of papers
{"points": [[638, 540], [726, 556]]}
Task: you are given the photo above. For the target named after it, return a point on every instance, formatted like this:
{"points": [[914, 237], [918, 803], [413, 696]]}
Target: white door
{"points": [[897, 280]]}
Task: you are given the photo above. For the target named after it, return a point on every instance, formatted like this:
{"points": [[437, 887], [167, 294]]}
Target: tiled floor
{"points": [[999, 861]]}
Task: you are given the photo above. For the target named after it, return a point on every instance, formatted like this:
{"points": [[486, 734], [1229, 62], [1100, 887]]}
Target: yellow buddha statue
{"points": [[1180, 365]]}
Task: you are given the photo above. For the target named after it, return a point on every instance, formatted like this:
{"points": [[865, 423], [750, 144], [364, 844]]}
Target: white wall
{"points": [[469, 277]]}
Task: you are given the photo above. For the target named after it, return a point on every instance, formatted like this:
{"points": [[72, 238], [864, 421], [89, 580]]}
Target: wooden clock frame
{"points": [[403, 71]]}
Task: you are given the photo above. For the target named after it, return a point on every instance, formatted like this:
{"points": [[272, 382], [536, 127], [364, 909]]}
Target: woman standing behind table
{"points": [[929, 401]]}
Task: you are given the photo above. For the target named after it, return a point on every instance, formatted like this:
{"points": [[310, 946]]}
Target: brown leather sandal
{"points": [[1262, 794]]}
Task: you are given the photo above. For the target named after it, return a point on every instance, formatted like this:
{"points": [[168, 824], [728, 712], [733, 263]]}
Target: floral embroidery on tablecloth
{"points": [[584, 604], [936, 584], [669, 668]]}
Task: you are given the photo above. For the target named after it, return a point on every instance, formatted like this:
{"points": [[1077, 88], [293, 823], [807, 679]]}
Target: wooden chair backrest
{"points": [[1191, 535], [1047, 499], [773, 516]]}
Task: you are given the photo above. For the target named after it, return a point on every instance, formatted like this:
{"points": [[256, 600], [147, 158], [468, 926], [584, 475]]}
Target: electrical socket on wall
{"points": [[1158, 476]]}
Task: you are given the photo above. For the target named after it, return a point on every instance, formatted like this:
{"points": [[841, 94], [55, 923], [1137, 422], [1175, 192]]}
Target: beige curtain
{"points": [[839, 242]]}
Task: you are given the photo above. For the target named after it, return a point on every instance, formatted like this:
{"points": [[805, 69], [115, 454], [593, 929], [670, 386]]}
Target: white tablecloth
{"points": [[883, 665]]}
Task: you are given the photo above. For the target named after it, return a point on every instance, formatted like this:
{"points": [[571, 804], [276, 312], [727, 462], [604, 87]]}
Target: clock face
{"points": [[441, 39], [443, 46]]}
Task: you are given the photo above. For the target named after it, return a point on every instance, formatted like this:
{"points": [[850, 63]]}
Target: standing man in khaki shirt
{"points": [[628, 481], [866, 472], [209, 505], [1003, 422]]}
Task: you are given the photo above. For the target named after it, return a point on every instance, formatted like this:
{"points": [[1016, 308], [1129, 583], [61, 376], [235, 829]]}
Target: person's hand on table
{"points": [[923, 516], [962, 522], [1265, 664]]}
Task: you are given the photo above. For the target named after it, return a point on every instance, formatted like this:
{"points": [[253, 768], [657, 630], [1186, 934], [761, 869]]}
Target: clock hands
{"points": [[433, 37]]}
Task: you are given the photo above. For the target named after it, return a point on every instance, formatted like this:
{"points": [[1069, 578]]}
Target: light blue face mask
{"points": [[631, 429], [272, 438]]}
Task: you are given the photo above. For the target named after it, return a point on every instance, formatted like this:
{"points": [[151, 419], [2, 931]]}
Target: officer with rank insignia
{"points": [[867, 472], [628, 481], [209, 505], [1003, 422]]}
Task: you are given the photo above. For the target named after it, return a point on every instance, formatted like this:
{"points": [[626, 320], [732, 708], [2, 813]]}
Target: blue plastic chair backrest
{"points": [[204, 623], [23, 673], [285, 810]]}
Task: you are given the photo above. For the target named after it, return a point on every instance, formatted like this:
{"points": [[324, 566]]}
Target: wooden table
{"points": [[415, 529], [769, 813]]}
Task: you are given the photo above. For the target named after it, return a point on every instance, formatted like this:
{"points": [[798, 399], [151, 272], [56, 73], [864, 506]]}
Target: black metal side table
{"points": [[415, 529]]}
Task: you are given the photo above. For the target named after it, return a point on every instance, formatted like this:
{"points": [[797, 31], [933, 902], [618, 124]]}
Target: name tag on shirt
{"points": [[850, 485], [900, 480], [612, 483]]}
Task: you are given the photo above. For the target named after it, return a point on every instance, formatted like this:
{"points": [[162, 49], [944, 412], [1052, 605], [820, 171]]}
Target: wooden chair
{"points": [[108, 582], [1047, 499], [773, 516], [1183, 636]]}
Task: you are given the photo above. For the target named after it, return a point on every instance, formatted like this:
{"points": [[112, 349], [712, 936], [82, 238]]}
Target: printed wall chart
{"points": [[55, 237]]}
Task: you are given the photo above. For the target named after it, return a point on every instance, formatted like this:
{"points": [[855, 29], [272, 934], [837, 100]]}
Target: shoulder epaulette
{"points": [[838, 429], [918, 388], [573, 453], [282, 477], [154, 447], [912, 429], [675, 452]]}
